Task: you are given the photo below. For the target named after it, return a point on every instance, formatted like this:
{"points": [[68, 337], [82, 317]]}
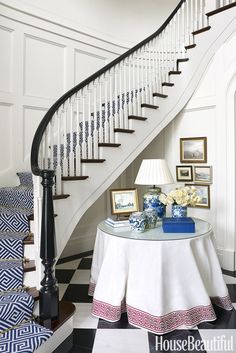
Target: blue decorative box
{"points": [[178, 225]]}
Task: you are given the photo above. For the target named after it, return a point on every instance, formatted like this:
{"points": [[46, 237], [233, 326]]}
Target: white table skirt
{"points": [[162, 285]]}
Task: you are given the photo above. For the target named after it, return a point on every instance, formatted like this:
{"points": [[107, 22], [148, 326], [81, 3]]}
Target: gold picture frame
{"points": [[203, 190], [124, 201], [193, 150]]}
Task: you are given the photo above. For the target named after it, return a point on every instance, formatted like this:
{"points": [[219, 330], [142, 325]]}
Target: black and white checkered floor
{"points": [[93, 335]]}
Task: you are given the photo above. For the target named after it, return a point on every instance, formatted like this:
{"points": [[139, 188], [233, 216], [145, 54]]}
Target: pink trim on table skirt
{"points": [[160, 324]]}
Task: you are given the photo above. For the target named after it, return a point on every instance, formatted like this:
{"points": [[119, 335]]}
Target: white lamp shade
{"points": [[154, 172]]}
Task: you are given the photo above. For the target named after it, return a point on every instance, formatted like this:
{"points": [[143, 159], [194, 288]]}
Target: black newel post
{"points": [[48, 294]]}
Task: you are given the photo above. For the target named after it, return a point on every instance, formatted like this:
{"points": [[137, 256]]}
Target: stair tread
{"points": [[182, 60], [128, 131], [105, 144], [201, 30], [66, 310], [61, 196], [174, 72], [29, 266], [71, 178], [88, 160], [160, 95], [135, 117], [151, 106], [220, 9], [190, 46], [168, 84]]}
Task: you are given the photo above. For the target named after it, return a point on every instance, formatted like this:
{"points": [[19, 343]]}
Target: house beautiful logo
{"points": [[216, 344]]}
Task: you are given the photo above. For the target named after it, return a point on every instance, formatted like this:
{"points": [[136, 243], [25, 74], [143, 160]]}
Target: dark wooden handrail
{"points": [[48, 116]]}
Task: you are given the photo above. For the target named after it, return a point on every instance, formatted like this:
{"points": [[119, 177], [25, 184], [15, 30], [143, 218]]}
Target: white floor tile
{"points": [[229, 279], [81, 277], [83, 317], [71, 265], [121, 341], [228, 337], [62, 289]]}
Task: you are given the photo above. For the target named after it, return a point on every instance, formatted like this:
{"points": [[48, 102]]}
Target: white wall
{"points": [[123, 21]]}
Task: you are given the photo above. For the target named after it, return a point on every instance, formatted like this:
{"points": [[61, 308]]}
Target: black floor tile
{"points": [[66, 345], [225, 320], [170, 339], [83, 340], [232, 292], [64, 276], [85, 264], [122, 323], [77, 293]]}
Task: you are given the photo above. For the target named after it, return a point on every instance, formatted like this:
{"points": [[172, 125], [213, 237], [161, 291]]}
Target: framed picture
{"points": [[184, 173], [203, 190], [193, 150], [203, 174], [124, 201]]}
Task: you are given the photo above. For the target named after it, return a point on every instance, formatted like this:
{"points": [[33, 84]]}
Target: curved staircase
{"points": [[86, 140]]}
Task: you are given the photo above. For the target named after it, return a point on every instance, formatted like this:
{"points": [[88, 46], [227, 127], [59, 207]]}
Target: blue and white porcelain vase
{"points": [[138, 222], [151, 200], [151, 217], [179, 211]]}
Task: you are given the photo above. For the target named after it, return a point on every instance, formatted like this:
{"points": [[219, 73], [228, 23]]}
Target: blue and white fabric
{"points": [[14, 219], [19, 196], [24, 339], [14, 309], [11, 275], [25, 178], [11, 247]]}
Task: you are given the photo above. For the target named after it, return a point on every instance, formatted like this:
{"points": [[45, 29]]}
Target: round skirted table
{"points": [[162, 280]]}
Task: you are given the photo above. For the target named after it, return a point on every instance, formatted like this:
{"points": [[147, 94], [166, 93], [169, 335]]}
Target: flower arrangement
{"points": [[186, 196]]}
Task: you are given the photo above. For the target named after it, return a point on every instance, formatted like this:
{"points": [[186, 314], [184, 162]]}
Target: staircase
{"points": [[85, 141]]}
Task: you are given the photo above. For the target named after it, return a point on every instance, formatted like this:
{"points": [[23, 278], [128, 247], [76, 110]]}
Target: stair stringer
{"points": [[85, 193]]}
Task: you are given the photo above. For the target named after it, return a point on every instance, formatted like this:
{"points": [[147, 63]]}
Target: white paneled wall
{"points": [[38, 63]]}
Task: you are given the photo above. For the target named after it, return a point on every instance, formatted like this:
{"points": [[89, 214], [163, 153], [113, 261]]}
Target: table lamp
{"points": [[154, 172]]}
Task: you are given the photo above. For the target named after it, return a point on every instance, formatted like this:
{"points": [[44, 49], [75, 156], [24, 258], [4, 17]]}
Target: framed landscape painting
{"points": [[203, 174], [193, 150], [203, 190], [124, 201], [184, 173]]}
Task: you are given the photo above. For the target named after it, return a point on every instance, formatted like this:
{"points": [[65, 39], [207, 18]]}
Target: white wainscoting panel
{"points": [[5, 140], [44, 68], [86, 64], [31, 119], [6, 40]]}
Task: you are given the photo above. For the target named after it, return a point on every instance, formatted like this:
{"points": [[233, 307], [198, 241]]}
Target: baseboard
{"points": [[79, 244], [226, 258], [74, 257]]}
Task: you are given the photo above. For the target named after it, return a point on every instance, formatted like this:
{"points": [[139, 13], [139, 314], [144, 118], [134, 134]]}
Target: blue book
{"points": [[178, 225]]}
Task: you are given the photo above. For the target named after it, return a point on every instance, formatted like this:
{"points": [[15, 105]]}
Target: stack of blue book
{"points": [[178, 225]]}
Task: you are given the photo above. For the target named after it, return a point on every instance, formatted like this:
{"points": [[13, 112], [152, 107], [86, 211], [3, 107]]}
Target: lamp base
{"points": [[151, 201]]}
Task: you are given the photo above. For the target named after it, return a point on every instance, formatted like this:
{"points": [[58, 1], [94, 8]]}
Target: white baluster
{"points": [[90, 139], [116, 99], [71, 154], [95, 131], [106, 125], [58, 156], [130, 108], [196, 15], [111, 118], [65, 160], [77, 147], [125, 110], [138, 60], [134, 86], [150, 73], [84, 145], [101, 132], [121, 116], [187, 24]]}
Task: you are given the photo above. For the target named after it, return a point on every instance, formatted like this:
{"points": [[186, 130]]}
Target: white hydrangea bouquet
{"points": [[185, 196]]}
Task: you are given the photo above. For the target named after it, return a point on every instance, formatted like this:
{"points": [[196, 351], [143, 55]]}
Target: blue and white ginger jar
{"points": [[138, 222], [179, 211], [151, 200]]}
